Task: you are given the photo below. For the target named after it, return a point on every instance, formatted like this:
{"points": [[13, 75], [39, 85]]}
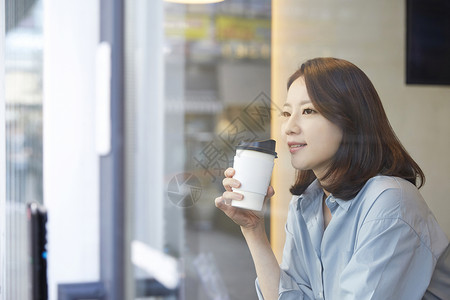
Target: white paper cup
{"points": [[254, 170]]}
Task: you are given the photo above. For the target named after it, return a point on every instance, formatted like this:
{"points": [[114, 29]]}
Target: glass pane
{"points": [[216, 93], [23, 89]]}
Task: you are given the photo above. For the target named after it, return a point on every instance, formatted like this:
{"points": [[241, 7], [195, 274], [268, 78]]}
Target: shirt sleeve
{"points": [[391, 261], [439, 287], [293, 283]]}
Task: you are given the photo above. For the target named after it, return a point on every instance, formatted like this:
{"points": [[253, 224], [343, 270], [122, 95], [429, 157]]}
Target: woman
{"points": [[357, 227]]}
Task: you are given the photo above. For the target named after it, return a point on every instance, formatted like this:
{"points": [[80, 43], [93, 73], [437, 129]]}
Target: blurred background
{"points": [[120, 118]]}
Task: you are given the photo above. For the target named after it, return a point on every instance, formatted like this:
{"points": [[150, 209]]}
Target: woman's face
{"points": [[311, 138]]}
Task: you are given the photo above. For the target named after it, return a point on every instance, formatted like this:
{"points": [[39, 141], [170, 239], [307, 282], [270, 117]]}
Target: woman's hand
{"points": [[247, 219]]}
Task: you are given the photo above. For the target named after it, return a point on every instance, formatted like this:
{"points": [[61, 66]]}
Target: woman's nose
{"points": [[292, 126]]}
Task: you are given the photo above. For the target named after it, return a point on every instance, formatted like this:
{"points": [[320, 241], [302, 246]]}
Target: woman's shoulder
{"points": [[386, 199], [378, 185], [381, 183], [391, 197]]}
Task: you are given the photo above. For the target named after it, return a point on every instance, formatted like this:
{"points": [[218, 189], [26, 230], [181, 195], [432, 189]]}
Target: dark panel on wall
{"points": [[428, 42]]}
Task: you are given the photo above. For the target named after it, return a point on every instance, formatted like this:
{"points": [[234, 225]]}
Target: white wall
{"points": [[372, 35], [70, 163]]}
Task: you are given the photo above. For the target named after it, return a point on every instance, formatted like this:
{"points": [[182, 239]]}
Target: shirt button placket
{"points": [[320, 294]]}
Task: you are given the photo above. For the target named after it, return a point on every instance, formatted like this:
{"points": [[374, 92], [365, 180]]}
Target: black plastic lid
{"points": [[266, 146]]}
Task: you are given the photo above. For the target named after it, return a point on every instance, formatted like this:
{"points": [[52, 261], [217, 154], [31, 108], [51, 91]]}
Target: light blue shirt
{"points": [[383, 244]]}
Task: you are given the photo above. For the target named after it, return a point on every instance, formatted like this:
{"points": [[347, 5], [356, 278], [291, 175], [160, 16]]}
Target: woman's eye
{"points": [[308, 111], [285, 114]]}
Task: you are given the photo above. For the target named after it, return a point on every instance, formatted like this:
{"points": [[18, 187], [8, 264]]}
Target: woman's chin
{"points": [[299, 166]]}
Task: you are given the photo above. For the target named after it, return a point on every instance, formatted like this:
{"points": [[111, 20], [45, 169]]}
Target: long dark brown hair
{"points": [[344, 95]]}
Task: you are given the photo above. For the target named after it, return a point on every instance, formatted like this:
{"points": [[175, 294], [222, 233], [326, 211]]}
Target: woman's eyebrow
{"points": [[303, 102]]}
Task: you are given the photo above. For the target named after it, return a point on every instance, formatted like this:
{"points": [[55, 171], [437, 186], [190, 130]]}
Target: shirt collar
{"points": [[344, 204], [311, 194]]}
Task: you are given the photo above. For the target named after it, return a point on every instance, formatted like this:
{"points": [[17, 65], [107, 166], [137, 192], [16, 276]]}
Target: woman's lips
{"points": [[294, 147]]}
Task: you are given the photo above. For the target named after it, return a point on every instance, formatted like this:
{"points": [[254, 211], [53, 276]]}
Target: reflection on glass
{"points": [[225, 51], [216, 93], [23, 117], [232, 73]]}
